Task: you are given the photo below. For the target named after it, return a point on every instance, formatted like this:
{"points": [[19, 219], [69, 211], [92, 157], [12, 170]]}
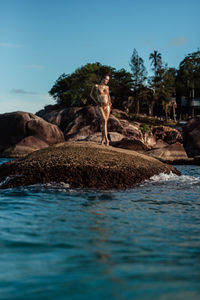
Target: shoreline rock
{"points": [[26, 132], [191, 137], [82, 165], [83, 124], [22, 133], [169, 153]]}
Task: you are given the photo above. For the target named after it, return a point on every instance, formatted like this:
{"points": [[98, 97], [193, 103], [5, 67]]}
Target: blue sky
{"points": [[42, 39]]}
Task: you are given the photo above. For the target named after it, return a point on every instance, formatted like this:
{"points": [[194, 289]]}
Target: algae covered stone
{"points": [[82, 164]]}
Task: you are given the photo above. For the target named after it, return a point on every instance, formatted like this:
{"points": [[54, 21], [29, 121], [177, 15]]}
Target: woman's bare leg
{"points": [[102, 125], [105, 112], [106, 133], [101, 115]]}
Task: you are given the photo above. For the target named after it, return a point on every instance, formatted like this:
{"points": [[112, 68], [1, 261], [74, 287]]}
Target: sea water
{"points": [[142, 243]]}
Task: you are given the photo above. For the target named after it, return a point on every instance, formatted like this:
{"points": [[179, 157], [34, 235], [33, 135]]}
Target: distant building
{"points": [[190, 106]]}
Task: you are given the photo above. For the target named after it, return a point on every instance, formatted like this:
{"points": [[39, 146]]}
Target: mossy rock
{"points": [[83, 165]]}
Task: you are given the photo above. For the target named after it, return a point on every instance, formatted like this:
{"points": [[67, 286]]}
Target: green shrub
{"points": [[144, 128], [116, 115]]}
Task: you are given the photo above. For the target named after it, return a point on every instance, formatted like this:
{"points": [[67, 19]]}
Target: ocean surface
{"points": [[142, 243]]}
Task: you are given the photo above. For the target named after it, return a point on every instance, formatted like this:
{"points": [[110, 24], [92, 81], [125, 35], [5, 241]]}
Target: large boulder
{"points": [[168, 145], [67, 117], [82, 164], [167, 134], [170, 153], [83, 124], [131, 144], [191, 137], [23, 132]]}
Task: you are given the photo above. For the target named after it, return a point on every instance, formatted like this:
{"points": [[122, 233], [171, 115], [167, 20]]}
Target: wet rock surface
{"points": [[84, 165]]}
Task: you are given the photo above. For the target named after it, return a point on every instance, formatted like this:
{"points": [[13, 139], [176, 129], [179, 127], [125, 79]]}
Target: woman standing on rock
{"points": [[103, 102]]}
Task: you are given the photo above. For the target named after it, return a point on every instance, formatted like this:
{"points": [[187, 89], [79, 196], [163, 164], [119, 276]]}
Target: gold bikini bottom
{"points": [[104, 110]]}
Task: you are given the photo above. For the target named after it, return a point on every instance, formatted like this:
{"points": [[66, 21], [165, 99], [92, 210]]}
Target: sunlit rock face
{"points": [[23, 132], [83, 124]]}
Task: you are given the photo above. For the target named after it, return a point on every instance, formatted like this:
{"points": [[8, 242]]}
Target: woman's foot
{"points": [[107, 143], [103, 141]]}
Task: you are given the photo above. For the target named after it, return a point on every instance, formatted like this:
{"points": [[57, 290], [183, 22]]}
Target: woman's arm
{"points": [[92, 94], [109, 99]]}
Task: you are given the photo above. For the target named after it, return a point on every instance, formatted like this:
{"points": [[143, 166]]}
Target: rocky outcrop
{"points": [[191, 137], [83, 124], [168, 145], [65, 118], [82, 164], [170, 153], [131, 144], [22, 133], [167, 134]]}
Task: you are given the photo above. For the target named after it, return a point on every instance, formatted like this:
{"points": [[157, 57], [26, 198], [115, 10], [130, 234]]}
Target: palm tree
{"points": [[156, 61]]}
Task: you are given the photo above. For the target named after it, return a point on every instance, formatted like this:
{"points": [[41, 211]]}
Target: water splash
{"points": [[8, 179], [173, 178], [51, 187]]}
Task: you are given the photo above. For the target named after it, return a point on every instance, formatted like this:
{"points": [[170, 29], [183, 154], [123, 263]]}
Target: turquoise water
{"points": [[142, 243]]}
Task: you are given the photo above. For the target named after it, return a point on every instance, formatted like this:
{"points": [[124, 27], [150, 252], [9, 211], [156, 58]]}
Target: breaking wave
{"points": [[162, 177]]}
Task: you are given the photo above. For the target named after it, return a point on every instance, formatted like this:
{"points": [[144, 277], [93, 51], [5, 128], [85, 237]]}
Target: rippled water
{"points": [[142, 243]]}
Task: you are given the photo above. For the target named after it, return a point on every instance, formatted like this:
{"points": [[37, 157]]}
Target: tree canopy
{"points": [[132, 89], [74, 89], [188, 76], [139, 73], [139, 76]]}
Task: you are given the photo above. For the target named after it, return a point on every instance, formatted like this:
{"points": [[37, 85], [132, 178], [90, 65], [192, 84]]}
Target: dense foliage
{"points": [[74, 89], [135, 92], [139, 76], [188, 76]]}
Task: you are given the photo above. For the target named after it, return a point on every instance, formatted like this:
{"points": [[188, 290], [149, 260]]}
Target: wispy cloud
{"points": [[9, 45], [21, 91], [36, 67], [179, 41], [148, 43]]}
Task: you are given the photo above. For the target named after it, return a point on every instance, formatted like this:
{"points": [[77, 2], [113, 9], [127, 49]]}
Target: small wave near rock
{"points": [[173, 179]]}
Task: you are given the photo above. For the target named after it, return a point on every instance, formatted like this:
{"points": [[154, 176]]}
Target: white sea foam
{"points": [[59, 186], [171, 177], [8, 178]]}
